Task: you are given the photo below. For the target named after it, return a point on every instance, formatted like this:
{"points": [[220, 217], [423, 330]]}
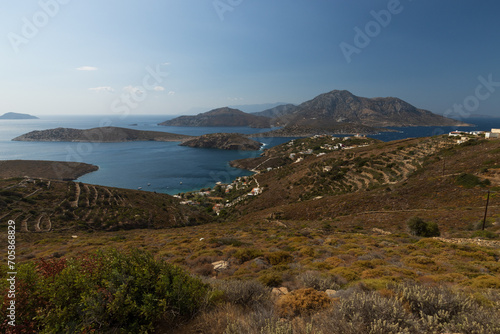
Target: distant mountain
{"points": [[100, 135], [255, 108], [15, 115], [224, 141], [221, 117], [343, 107], [278, 111]]}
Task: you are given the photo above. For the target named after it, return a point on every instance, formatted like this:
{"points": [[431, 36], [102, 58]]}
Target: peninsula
{"points": [[53, 170], [100, 135]]}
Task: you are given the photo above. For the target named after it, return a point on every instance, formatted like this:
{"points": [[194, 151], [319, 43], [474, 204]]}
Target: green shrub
{"points": [[271, 279], [247, 254], [280, 257], [470, 181], [226, 241], [421, 228], [106, 291]]}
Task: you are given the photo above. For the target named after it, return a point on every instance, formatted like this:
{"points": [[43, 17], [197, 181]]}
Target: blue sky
{"points": [[184, 56]]}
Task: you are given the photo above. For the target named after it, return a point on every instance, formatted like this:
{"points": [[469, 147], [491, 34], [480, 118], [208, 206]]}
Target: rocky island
{"points": [[15, 115], [224, 141], [100, 135]]}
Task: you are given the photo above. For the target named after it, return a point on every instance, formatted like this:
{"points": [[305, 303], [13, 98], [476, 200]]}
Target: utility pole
{"points": [[486, 209]]}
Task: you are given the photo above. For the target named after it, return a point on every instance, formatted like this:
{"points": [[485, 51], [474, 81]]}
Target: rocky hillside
{"points": [[224, 141], [221, 117], [343, 107], [101, 135]]}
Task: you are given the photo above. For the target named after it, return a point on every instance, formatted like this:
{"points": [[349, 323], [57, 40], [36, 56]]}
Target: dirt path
{"points": [[32, 193]]}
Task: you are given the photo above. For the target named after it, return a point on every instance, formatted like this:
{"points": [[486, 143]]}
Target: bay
{"points": [[163, 167]]}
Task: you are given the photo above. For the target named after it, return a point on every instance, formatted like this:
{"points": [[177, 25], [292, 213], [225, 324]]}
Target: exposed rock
{"points": [[479, 242], [224, 141], [261, 262], [220, 265], [380, 231], [221, 117], [331, 293], [280, 291]]}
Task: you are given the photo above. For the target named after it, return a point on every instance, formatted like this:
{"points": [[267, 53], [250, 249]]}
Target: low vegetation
{"points": [[116, 292]]}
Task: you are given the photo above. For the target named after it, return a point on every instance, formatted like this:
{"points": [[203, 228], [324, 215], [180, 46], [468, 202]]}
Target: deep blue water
{"points": [[480, 124], [163, 165]]}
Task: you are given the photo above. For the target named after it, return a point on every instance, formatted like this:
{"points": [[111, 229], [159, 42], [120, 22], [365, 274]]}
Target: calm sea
{"points": [[156, 166]]}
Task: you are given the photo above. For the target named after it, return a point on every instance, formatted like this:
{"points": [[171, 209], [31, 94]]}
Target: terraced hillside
{"points": [[40, 205], [402, 177]]}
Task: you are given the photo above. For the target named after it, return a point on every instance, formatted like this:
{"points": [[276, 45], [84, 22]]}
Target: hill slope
{"points": [[396, 179], [221, 117], [101, 135], [42, 205]]}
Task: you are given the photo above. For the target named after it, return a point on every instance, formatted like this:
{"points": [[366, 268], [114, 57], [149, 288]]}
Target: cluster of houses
{"points": [[464, 135], [327, 147]]}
